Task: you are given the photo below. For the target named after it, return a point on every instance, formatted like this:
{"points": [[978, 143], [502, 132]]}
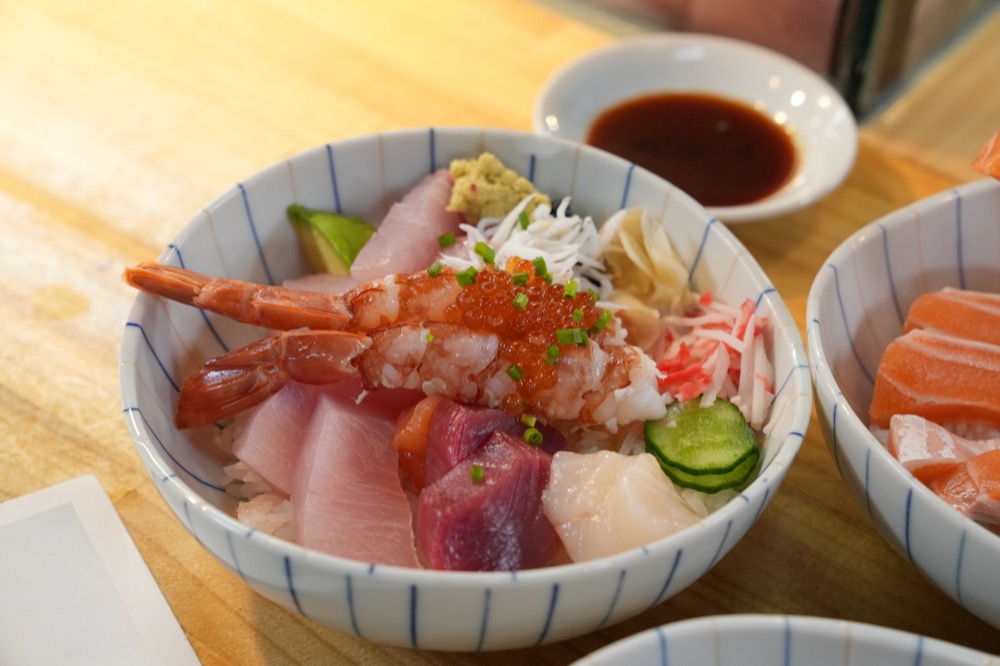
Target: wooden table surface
{"points": [[119, 120]]}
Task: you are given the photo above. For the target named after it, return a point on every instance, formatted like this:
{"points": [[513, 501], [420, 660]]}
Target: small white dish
{"points": [[822, 126], [759, 640]]}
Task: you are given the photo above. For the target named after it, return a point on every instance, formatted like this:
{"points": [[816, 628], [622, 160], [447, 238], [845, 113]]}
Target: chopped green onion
{"points": [[520, 278], [521, 301], [523, 219], [533, 436], [444, 240], [476, 472], [575, 336], [435, 269], [551, 355], [485, 251], [515, 372], [429, 337], [540, 268], [466, 277], [569, 291], [578, 316], [529, 420], [602, 320], [593, 294], [548, 278]]}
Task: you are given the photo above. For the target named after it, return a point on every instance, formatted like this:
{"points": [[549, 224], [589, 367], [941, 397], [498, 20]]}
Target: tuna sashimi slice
{"points": [[939, 377], [271, 439], [347, 493], [495, 523], [407, 239], [965, 314], [457, 431], [927, 449], [973, 487], [604, 503]]}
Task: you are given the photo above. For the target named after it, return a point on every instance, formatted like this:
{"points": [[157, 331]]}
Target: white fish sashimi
{"points": [[407, 239], [604, 503]]}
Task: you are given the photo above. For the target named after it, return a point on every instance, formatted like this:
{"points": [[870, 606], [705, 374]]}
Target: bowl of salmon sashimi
{"points": [[462, 389], [904, 344]]}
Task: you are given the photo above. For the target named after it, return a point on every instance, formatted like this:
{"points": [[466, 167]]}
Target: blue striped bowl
{"points": [[244, 234], [856, 306], [765, 640]]}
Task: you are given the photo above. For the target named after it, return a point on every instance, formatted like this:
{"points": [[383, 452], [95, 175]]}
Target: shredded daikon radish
{"points": [[569, 244]]}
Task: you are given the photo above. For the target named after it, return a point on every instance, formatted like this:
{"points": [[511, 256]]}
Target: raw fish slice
{"points": [[347, 494], [988, 161], [407, 239], [973, 487], [605, 503], [942, 378], [270, 441], [457, 431], [493, 524], [927, 449], [965, 314]]}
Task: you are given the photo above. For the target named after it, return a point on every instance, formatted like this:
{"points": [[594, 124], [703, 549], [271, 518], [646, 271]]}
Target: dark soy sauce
{"points": [[721, 152]]}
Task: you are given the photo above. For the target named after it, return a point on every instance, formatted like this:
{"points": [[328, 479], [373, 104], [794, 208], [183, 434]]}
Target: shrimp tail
{"points": [[274, 307], [243, 378]]}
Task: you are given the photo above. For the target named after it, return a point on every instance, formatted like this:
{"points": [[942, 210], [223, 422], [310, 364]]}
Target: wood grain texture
{"points": [[121, 119]]}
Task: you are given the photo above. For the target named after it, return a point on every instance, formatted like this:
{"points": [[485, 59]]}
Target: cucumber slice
{"points": [[713, 483], [331, 241], [694, 441]]}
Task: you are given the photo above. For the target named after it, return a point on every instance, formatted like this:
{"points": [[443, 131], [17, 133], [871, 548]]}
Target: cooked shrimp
{"points": [[394, 299], [516, 343]]}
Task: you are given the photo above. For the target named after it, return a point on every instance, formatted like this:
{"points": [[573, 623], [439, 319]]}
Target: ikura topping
{"points": [[533, 317]]}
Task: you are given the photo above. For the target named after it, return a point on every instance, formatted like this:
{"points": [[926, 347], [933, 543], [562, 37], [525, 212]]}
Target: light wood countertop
{"points": [[120, 120]]}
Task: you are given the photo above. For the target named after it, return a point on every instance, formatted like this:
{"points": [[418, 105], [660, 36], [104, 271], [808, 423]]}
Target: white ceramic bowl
{"points": [[856, 306], [764, 640], [244, 234], [821, 123]]}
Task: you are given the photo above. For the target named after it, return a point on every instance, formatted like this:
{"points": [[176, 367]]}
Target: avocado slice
{"points": [[331, 241]]}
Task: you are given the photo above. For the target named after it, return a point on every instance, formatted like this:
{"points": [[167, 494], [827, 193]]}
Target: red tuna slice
{"points": [[457, 431], [270, 441], [407, 239], [496, 523], [972, 315], [347, 493], [973, 487], [927, 449]]}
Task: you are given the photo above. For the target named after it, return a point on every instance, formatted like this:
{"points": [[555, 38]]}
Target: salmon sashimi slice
{"points": [[928, 450], [972, 315], [973, 487], [988, 161], [941, 378]]}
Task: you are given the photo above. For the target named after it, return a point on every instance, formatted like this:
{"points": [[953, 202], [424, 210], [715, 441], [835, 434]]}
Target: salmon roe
{"points": [[527, 312]]}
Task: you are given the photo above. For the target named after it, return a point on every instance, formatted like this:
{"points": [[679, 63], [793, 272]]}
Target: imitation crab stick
{"points": [[939, 377], [966, 314]]}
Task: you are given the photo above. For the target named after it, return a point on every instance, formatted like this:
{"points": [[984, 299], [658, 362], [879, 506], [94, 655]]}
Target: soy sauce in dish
{"points": [[721, 152]]}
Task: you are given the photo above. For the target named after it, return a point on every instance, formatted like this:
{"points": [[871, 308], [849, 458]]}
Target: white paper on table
{"points": [[73, 587]]}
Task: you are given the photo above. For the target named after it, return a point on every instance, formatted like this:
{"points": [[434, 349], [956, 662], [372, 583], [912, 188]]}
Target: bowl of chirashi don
{"points": [[904, 346], [462, 389]]}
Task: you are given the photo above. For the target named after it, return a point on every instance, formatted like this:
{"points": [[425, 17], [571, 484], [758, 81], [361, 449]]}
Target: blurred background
{"points": [[868, 49]]}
